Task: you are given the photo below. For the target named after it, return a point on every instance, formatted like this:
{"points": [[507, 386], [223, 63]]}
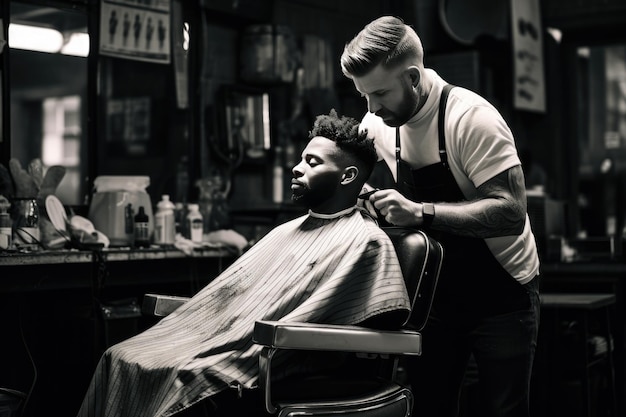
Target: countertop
{"points": [[579, 301], [73, 256], [71, 269], [584, 267]]}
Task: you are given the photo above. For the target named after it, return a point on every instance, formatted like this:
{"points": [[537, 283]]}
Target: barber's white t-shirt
{"points": [[479, 145]]}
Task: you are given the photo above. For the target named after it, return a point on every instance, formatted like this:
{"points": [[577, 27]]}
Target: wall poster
{"points": [[136, 29], [529, 81]]}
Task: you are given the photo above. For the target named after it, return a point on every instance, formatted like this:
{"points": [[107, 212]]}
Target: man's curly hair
{"points": [[344, 131]]}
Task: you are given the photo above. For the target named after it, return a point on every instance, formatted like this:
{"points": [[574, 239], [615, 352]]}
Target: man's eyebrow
{"points": [[379, 91], [310, 154]]}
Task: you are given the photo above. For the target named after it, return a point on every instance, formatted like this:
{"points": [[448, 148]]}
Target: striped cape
{"points": [[339, 270]]}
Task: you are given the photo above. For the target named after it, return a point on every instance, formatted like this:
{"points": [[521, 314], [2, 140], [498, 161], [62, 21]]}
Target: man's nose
{"points": [[297, 170], [372, 105]]}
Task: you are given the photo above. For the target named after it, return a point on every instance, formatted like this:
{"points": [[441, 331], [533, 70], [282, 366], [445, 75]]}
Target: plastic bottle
{"points": [[180, 219], [277, 184], [164, 222], [142, 229], [194, 223], [277, 178]]}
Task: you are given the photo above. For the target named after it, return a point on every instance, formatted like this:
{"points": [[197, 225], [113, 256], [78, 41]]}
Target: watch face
{"points": [[428, 214]]}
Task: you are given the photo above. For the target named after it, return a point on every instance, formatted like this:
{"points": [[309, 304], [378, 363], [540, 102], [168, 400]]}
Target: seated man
{"points": [[334, 265]]}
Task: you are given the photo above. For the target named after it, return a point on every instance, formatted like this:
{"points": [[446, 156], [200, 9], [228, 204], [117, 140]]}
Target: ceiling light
{"points": [[34, 38], [77, 45]]}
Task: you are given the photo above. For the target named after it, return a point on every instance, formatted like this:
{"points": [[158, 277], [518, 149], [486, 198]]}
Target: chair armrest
{"points": [[328, 337], [276, 335], [161, 305]]}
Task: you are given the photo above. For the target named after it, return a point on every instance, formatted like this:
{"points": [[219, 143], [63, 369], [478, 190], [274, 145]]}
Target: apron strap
{"points": [[443, 155], [397, 155]]}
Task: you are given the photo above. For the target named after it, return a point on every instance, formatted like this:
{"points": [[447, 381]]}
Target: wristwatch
{"points": [[428, 214]]}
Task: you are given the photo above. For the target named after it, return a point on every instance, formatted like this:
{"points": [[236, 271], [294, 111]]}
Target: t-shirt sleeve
{"points": [[488, 147]]}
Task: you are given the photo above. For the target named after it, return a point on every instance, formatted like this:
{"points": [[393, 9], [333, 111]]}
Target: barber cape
{"points": [[339, 269]]}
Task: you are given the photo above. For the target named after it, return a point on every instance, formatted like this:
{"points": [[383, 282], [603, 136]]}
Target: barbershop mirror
{"points": [[48, 72], [601, 129]]}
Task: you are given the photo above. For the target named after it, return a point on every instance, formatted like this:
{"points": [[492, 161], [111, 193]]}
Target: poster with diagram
{"points": [[529, 82], [136, 29]]}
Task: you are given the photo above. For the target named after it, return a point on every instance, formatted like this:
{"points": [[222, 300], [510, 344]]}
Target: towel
{"points": [[323, 270]]}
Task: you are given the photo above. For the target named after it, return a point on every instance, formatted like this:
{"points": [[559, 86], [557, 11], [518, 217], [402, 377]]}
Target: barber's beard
{"points": [[404, 111]]}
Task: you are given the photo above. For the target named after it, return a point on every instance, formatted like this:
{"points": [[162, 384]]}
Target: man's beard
{"points": [[302, 199], [310, 198], [407, 108], [297, 198]]}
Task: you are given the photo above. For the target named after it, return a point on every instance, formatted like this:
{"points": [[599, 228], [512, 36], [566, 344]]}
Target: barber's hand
{"points": [[396, 209], [364, 200]]}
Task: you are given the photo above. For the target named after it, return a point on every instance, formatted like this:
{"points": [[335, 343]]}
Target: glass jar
{"points": [[27, 221]]}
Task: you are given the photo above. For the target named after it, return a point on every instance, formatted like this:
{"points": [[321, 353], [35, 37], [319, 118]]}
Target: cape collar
{"points": [[333, 215]]}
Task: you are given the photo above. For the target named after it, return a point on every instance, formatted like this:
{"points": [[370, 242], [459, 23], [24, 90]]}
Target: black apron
{"points": [[472, 282]]}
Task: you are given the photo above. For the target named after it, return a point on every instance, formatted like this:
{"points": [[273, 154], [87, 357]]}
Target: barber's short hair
{"points": [[387, 41], [344, 131]]}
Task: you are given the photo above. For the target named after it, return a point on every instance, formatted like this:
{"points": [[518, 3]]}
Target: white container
{"points": [[194, 223], [164, 222], [107, 209]]}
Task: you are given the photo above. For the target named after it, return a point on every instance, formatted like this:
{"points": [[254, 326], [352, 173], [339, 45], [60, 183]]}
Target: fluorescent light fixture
{"points": [[34, 38], [40, 39], [77, 45]]}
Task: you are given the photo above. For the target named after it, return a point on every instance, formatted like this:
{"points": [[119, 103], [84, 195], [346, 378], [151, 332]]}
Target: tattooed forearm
{"points": [[499, 210]]}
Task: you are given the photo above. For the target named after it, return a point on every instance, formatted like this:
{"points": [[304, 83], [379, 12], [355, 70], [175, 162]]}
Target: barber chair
{"points": [[379, 393]]}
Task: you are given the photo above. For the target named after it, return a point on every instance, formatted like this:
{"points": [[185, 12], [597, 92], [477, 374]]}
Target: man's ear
{"points": [[349, 175], [414, 75]]}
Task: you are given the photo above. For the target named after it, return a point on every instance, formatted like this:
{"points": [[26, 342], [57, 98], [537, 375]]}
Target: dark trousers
{"points": [[503, 346]]}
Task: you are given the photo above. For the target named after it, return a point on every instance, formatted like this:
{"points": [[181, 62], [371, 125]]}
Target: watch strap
{"points": [[428, 214]]}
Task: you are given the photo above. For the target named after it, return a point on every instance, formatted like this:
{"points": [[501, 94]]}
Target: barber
{"points": [[457, 175]]}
